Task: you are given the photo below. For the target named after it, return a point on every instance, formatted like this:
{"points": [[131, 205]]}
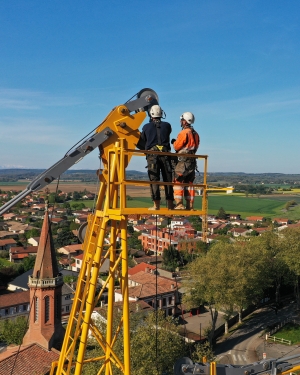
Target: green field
{"points": [[234, 204]]}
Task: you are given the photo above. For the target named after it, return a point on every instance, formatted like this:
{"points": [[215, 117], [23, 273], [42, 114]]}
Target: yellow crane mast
{"points": [[111, 207]]}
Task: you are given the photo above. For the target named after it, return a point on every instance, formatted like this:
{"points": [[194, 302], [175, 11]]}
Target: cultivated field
{"points": [[268, 206], [68, 187]]}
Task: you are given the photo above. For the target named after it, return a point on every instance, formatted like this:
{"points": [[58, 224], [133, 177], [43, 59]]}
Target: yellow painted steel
{"points": [[110, 218]]}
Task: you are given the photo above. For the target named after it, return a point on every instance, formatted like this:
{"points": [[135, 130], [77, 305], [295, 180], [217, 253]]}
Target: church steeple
{"points": [[45, 263], [45, 285]]}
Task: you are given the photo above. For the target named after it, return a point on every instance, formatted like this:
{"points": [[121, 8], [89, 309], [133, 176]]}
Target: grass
{"points": [[236, 204], [290, 332]]}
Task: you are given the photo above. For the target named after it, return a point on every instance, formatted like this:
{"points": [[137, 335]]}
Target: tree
{"points": [[32, 233], [291, 245], [76, 196], [12, 332], [203, 350], [171, 258], [28, 263], [74, 226], [155, 345], [221, 213], [196, 222], [65, 237], [277, 267]]}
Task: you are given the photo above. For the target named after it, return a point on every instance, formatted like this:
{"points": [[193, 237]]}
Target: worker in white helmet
{"points": [[156, 136], [187, 142]]}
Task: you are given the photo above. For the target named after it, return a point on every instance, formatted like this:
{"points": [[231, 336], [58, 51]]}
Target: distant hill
{"points": [[216, 178]]}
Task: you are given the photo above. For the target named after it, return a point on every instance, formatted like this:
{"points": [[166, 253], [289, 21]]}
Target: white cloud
{"points": [[19, 99]]}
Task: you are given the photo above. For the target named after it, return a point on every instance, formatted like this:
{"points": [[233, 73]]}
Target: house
{"points": [[67, 297], [34, 241], [150, 268], [262, 230], [255, 218], [213, 227], [76, 266], [7, 244], [8, 216], [157, 241], [134, 219], [143, 227], [17, 227], [17, 254], [13, 305], [281, 221], [234, 216], [237, 232], [81, 219], [178, 222], [21, 218], [31, 359], [71, 250], [153, 289]]}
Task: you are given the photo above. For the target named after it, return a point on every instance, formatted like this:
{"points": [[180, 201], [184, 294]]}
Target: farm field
{"points": [[268, 206]]}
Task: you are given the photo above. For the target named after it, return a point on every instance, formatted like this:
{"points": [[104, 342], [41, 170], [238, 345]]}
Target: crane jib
{"points": [[52, 173]]}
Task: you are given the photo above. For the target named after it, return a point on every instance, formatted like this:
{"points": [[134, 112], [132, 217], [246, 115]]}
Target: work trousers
{"points": [[157, 164], [185, 173]]}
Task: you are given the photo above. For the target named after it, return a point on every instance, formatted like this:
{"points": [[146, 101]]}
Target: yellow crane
{"points": [[116, 138]]}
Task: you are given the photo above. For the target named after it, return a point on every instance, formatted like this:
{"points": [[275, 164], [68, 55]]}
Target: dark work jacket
{"points": [[149, 139]]}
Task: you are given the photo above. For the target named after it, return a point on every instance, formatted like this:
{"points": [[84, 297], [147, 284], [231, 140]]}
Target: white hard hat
{"points": [[188, 117], [155, 111]]}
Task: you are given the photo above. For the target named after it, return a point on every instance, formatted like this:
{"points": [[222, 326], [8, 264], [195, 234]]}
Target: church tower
{"points": [[45, 285]]}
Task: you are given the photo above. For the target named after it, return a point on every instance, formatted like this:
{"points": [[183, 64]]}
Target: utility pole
{"points": [[200, 332]]}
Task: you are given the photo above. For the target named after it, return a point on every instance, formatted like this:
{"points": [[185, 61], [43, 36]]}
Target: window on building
{"points": [[14, 310], [36, 309], [164, 302], [67, 308], [67, 297], [57, 306], [6, 311], [25, 307], [170, 300], [47, 309]]}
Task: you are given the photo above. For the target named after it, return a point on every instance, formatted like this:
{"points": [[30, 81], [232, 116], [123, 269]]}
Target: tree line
{"points": [[234, 275]]}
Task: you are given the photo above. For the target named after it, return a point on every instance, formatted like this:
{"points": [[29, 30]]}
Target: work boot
{"points": [[170, 204], [179, 205], [190, 205], [156, 206]]}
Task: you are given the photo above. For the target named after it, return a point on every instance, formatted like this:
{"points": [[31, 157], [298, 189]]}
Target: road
{"points": [[247, 344]]}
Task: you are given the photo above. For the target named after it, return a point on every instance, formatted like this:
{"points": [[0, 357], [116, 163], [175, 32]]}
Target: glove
{"points": [[173, 140]]}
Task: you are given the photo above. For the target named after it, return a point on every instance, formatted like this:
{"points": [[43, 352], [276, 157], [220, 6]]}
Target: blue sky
{"points": [[235, 64]]}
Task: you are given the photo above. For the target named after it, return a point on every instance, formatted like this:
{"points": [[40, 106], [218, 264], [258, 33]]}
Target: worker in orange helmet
{"points": [[187, 142]]}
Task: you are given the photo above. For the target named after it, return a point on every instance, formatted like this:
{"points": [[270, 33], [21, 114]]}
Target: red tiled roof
{"points": [[7, 241], [150, 285], [72, 248], [24, 250], [256, 218], [33, 359], [140, 267], [13, 299], [238, 230]]}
